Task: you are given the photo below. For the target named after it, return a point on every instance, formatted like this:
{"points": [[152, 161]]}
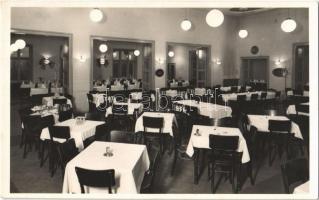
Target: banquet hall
{"points": [[160, 100]]}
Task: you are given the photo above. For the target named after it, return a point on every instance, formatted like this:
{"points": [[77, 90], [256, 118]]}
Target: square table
{"points": [[79, 132], [302, 189], [35, 91], [291, 110], [48, 101], [57, 90], [206, 109], [130, 106], [233, 96], [169, 120], [100, 88], [198, 144], [261, 123], [130, 162], [99, 99], [139, 96]]}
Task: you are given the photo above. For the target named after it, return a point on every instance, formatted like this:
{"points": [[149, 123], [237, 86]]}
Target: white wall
{"points": [[163, 25], [160, 25], [265, 32]]}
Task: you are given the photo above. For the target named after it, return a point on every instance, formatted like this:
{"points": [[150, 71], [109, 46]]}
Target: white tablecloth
{"points": [[57, 90], [48, 101], [173, 85], [291, 110], [228, 88], [302, 189], [79, 132], [99, 88], [169, 119], [305, 93], [200, 91], [207, 109], [139, 96], [117, 87], [261, 123], [133, 86], [98, 99], [29, 85], [35, 91], [130, 108], [202, 141], [130, 162], [233, 96], [171, 93]]}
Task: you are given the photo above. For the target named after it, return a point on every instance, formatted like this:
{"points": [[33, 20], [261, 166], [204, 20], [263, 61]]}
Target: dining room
{"points": [[206, 100]]}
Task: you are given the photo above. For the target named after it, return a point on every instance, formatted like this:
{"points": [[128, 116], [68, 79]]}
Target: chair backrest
{"points": [[234, 89], [65, 115], [302, 108], [254, 96], [222, 122], [241, 98], [153, 122], [223, 143], [31, 123], [263, 95], [294, 171], [101, 131], [90, 97], [278, 94], [119, 109], [120, 136], [279, 126], [62, 132], [94, 116], [47, 121], [192, 111], [95, 178], [67, 151], [59, 101]]}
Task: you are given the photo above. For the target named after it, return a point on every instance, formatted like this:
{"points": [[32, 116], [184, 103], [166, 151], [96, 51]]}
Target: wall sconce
{"points": [[46, 61], [137, 52], [217, 61], [82, 59], [159, 61], [102, 61], [278, 62], [171, 54]]}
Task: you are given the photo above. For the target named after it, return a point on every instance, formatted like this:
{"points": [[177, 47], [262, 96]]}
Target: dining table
{"points": [[291, 110], [199, 142], [131, 107], [129, 161], [48, 101], [78, 131]]}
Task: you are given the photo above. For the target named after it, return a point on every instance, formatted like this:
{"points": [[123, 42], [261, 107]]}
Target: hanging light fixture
{"points": [[137, 52], [214, 18], [288, 25], [186, 25], [243, 33], [103, 48], [96, 15], [171, 54], [20, 43]]}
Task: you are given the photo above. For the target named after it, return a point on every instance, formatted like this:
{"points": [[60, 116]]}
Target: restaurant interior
{"points": [[210, 100]]}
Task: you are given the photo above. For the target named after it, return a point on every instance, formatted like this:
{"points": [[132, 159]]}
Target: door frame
{"points": [[293, 68], [255, 58], [58, 34], [208, 70], [106, 38]]}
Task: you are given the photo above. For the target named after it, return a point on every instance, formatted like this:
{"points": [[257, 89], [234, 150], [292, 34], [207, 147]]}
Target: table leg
{"points": [[196, 165]]}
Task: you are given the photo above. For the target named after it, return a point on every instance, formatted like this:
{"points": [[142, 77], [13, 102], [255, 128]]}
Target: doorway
{"points": [[254, 69], [300, 65]]}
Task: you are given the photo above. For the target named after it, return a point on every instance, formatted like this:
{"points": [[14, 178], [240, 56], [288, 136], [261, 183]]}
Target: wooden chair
{"points": [[150, 137], [96, 178]]}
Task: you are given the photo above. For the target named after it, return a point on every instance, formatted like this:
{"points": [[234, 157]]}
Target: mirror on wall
{"points": [[39, 62], [187, 65], [127, 63]]}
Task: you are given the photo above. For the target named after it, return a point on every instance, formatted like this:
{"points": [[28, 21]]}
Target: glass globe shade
{"points": [[137, 52], [214, 18], [20, 43], [103, 48], [13, 47], [186, 25], [288, 25], [171, 53], [243, 33], [96, 15]]}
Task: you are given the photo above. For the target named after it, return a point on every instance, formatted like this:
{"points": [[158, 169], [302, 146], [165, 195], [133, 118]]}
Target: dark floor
{"points": [[26, 176]]}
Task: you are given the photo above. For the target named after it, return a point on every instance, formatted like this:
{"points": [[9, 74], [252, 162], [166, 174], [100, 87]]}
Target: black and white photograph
{"points": [[159, 99]]}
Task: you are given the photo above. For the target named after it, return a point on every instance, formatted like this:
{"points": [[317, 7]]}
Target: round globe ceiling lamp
{"points": [[96, 15], [171, 54], [20, 43], [13, 47], [186, 25], [288, 25], [214, 18], [137, 52], [103, 48], [243, 33]]}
